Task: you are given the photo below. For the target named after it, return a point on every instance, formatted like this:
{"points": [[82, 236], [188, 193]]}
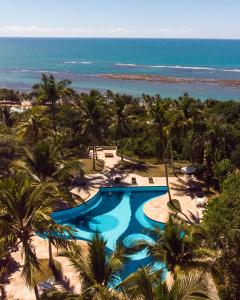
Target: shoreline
{"points": [[170, 80]]}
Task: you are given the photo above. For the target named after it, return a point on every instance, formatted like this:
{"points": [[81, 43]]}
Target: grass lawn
{"points": [[87, 166], [147, 170], [46, 272]]}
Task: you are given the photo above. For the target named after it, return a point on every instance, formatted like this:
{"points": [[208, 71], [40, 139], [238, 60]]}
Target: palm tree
{"points": [[49, 91], [147, 285], [34, 127], [119, 121], [98, 270], [176, 128], [92, 112], [178, 246], [25, 208], [6, 116], [48, 161]]}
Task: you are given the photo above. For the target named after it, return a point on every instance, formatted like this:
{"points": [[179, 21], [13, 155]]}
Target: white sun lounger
{"points": [[47, 285], [200, 202]]}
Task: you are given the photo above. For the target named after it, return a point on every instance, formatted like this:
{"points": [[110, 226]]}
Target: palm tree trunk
{"points": [[172, 158], [96, 153], [167, 182], [51, 261], [3, 293], [93, 147], [36, 292], [53, 111], [121, 151]]}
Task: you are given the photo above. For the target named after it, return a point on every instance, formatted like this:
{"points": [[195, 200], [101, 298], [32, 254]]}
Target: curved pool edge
{"points": [[152, 207], [90, 203]]}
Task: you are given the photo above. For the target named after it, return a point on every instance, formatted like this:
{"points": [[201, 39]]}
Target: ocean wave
{"points": [[191, 68], [78, 62], [164, 67], [179, 67], [231, 70], [35, 71], [127, 65]]}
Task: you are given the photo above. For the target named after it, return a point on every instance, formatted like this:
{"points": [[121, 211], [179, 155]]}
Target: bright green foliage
{"points": [[222, 223], [179, 246], [98, 270], [146, 285]]}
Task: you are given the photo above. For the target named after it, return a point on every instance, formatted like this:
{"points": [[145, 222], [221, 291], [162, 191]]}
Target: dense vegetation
{"points": [[41, 150]]}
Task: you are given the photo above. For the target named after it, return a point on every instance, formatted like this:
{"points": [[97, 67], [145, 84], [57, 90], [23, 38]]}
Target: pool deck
{"points": [[155, 209]]}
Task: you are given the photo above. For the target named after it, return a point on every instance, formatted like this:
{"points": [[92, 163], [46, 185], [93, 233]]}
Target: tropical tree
{"points": [[49, 91], [91, 108], [176, 128], [98, 270], [6, 116], [222, 170], [34, 127], [25, 209], [179, 246], [119, 124], [145, 284], [222, 222], [157, 115], [47, 160]]}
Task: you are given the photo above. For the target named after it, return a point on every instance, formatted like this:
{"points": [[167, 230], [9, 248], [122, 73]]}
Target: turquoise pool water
{"points": [[118, 214]]}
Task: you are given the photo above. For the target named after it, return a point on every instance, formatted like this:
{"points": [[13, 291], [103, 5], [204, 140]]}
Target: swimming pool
{"points": [[117, 213]]}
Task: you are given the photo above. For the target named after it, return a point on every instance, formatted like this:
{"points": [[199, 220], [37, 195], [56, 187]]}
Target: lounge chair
{"points": [[200, 202], [150, 180], [134, 181], [108, 154], [47, 285]]}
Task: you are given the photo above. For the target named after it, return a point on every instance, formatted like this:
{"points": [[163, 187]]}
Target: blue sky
{"points": [[123, 18]]}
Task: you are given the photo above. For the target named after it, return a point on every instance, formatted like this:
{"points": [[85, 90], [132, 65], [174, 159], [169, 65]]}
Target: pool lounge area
{"points": [[118, 214]]}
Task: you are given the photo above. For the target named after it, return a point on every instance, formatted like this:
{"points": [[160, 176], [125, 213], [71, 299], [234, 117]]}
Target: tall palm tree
{"points": [[91, 108], [178, 246], [98, 270], [34, 127], [49, 91], [119, 121], [157, 116], [176, 128], [25, 208], [147, 285]]}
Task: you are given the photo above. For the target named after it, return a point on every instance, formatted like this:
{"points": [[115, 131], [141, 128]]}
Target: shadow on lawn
{"points": [[133, 167]]}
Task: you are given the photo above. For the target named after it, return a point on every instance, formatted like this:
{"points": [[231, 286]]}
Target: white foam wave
{"points": [[126, 65], [45, 71], [179, 67], [70, 62], [78, 62], [231, 70]]}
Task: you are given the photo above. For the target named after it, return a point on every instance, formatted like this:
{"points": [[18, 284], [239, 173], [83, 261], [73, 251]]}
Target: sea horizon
{"points": [[205, 68]]}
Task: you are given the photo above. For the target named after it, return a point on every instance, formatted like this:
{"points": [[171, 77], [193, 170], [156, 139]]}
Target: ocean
{"points": [[210, 63]]}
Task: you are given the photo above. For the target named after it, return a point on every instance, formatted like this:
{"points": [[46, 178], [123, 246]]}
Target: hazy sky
{"points": [[123, 18]]}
